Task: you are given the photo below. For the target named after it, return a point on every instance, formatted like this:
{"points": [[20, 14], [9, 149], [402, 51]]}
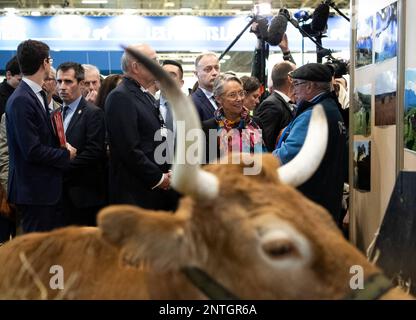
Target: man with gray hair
{"points": [[277, 110], [312, 86], [49, 86], [207, 69], [136, 128], [92, 82]]}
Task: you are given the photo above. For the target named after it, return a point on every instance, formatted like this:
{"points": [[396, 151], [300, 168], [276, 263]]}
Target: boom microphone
{"points": [[277, 28], [320, 18]]}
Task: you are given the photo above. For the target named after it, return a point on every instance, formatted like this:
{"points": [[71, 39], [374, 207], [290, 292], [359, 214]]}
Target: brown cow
{"points": [[254, 235], [257, 244]]}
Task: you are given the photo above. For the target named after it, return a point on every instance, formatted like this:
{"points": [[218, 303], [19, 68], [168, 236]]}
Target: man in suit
{"points": [[207, 69], [37, 162], [84, 182], [92, 82], [175, 70], [135, 128], [276, 111]]}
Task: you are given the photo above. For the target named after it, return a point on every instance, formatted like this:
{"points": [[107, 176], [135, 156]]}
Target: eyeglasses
{"points": [[234, 95], [295, 84]]}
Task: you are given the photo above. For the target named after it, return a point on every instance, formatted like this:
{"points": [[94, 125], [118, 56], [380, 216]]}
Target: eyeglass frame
{"points": [[242, 94]]}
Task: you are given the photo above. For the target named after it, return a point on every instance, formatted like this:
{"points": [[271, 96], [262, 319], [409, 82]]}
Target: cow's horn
{"points": [[187, 176], [307, 161]]}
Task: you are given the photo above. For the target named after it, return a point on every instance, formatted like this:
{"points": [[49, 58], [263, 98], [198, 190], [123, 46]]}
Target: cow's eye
{"points": [[278, 249]]}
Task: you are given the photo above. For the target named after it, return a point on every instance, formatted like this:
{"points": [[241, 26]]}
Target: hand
{"points": [[254, 27], [91, 96], [72, 151], [259, 28], [284, 44], [165, 185]]}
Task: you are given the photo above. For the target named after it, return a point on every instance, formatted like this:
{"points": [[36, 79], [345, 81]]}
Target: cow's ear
{"points": [[155, 239]]}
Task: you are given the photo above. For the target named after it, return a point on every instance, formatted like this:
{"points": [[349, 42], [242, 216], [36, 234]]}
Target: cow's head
{"points": [[255, 234]]}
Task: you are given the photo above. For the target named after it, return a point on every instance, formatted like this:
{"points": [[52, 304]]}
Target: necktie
{"points": [[65, 112], [171, 134], [45, 101], [169, 118], [213, 102]]}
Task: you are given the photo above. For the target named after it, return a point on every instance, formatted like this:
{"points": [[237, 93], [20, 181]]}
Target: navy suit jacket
{"points": [[274, 114], [36, 161], [202, 104], [85, 181], [132, 121]]}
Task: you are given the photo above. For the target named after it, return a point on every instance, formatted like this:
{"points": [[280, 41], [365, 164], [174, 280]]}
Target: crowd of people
{"points": [[113, 127]]}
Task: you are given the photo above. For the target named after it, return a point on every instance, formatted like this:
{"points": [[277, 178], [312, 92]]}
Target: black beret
{"points": [[313, 72]]}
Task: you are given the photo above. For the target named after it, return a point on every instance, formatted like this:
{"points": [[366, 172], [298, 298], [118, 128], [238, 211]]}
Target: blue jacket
{"points": [[202, 104], [36, 162], [326, 185]]}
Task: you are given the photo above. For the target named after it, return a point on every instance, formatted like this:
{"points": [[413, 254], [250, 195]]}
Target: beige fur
{"points": [[137, 253]]}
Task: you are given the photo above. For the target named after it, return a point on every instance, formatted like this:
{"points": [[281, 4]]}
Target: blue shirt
{"points": [[72, 107], [294, 135]]}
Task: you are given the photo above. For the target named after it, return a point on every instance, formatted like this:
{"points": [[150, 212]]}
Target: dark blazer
{"points": [[274, 114], [203, 106], [85, 181], [6, 91], [132, 121], [36, 162]]}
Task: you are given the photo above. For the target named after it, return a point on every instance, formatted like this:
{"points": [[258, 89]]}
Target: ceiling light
{"points": [[35, 14], [129, 11], [186, 9], [169, 4]]}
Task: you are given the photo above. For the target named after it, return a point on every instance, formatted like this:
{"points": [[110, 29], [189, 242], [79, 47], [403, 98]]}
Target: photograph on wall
{"points": [[362, 110], [386, 30], [386, 98], [362, 165], [409, 125], [364, 45]]}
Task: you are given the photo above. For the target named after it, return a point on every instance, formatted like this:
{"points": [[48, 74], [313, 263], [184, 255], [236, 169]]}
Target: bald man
{"points": [[134, 123]]}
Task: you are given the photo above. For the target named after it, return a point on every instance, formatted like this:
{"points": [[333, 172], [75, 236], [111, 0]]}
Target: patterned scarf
{"points": [[243, 135]]}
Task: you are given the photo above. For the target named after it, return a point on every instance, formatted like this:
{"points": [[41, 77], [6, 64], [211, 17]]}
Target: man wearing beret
{"points": [[312, 86]]}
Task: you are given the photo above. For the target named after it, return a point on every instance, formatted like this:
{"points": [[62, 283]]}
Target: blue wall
{"points": [[98, 40]]}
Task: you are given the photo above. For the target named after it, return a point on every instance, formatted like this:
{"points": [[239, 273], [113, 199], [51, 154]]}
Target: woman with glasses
{"points": [[232, 129]]}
